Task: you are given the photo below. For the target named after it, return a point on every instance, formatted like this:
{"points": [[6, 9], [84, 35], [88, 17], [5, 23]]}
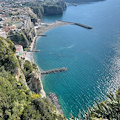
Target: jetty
{"points": [[33, 51], [42, 35], [53, 71], [78, 24]]}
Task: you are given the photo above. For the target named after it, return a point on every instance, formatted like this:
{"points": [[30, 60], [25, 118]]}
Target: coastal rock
{"points": [[35, 83], [32, 77], [54, 99], [62, 4], [53, 10], [48, 8]]}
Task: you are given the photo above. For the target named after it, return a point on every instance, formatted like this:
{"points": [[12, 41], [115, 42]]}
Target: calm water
{"points": [[91, 56]]}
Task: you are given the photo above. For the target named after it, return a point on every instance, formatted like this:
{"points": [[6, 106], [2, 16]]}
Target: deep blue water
{"points": [[91, 56]]}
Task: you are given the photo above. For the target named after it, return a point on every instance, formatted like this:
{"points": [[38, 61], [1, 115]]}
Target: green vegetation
{"points": [[23, 37], [19, 39], [17, 102], [106, 110], [28, 69], [7, 55], [109, 109]]}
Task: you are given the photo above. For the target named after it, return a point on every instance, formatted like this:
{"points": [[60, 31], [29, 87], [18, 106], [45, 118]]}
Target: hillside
{"points": [[20, 98], [81, 1]]}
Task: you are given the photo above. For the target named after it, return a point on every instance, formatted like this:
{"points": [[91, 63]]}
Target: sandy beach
{"points": [[40, 30]]}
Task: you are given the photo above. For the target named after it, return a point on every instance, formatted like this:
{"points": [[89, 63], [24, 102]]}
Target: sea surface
{"points": [[91, 56]]}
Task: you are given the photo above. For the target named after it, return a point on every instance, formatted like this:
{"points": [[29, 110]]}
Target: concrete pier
{"points": [[78, 24], [53, 71], [34, 51], [42, 35], [85, 26]]}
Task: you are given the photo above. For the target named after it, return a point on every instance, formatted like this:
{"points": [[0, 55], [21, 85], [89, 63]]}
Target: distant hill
{"points": [[82, 1]]}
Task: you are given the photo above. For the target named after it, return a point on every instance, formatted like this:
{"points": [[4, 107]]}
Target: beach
{"points": [[40, 30]]}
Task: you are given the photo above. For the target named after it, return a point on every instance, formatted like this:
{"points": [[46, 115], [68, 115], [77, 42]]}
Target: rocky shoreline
{"points": [[55, 101]]}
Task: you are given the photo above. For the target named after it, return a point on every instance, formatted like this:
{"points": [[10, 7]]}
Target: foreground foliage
{"points": [[106, 110], [109, 109]]}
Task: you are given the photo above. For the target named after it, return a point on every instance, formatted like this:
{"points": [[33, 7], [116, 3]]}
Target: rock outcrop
{"points": [[53, 10], [35, 83], [32, 76], [54, 99], [48, 8]]}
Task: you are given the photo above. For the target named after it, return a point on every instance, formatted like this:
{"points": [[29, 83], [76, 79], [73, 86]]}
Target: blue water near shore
{"points": [[91, 56]]}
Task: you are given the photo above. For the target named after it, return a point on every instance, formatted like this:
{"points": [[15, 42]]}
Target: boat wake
{"points": [[71, 46]]}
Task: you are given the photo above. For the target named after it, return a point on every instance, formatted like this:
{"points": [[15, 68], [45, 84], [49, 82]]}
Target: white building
{"points": [[19, 51], [3, 34]]}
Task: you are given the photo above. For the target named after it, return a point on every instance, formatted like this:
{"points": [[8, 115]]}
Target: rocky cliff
{"points": [[47, 7], [53, 10], [32, 76], [56, 8]]}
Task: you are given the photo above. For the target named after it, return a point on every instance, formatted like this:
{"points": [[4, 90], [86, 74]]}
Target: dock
{"points": [[34, 51], [78, 24], [54, 71], [42, 35]]}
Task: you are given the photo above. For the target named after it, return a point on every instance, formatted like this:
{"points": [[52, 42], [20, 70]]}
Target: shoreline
{"points": [[40, 30]]}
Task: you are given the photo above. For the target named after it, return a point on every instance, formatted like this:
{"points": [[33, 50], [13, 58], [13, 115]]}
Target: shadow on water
{"points": [[82, 1]]}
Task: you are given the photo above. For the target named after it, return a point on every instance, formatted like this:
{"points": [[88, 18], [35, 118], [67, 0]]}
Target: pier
{"points": [[34, 51], [78, 24], [81, 25], [42, 35], [53, 71]]}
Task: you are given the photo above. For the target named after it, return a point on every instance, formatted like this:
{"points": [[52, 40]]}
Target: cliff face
{"points": [[32, 76], [48, 7], [56, 8], [62, 4], [53, 10], [35, 83]]}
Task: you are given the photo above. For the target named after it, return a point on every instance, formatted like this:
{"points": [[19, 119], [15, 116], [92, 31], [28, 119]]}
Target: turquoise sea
{"points": [[91, 56]]}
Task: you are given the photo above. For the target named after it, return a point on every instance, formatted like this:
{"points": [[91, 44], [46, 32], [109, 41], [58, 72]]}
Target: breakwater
{"points": [[53, 71], [78, 24]]}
